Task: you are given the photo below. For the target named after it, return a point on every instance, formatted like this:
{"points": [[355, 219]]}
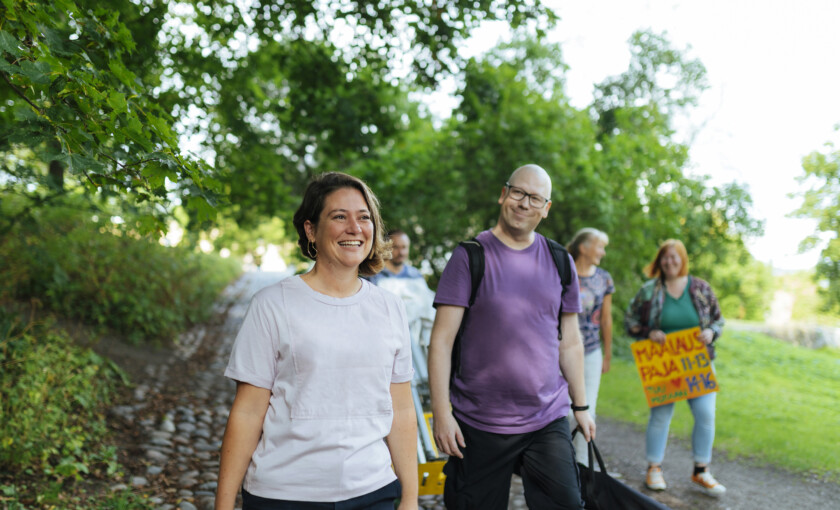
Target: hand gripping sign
{"points": [[679, 369]]}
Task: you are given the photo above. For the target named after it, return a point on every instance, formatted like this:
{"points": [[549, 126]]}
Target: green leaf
{"points": [[7, 67], [121, 72], [202, 208], [9, 44], [117, 101], [36, 71]]}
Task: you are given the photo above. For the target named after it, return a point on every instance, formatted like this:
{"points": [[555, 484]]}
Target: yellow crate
{"points": [[431, 477]]}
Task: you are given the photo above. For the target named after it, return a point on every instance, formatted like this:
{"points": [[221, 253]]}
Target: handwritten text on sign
{"points": [[679, 369]]}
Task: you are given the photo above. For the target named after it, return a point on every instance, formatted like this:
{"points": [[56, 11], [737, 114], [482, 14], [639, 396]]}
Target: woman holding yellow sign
{"points": [[672, 300]]}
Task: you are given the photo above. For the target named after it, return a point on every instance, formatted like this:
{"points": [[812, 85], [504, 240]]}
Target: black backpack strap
{"points": [[475, 257], [564, 269], [475, 253]]}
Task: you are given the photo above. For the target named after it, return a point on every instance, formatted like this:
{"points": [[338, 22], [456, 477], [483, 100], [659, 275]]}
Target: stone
{"points": [[186, 427], [186, 505], [167, 425], [138, 481], [160, 441], [202, 432], [156, 456]]}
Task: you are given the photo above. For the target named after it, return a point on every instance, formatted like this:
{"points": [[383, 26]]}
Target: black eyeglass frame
{"points": [[529, 196]]}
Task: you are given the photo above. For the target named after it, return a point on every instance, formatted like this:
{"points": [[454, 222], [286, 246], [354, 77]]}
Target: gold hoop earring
{"points": [[310, 247]]}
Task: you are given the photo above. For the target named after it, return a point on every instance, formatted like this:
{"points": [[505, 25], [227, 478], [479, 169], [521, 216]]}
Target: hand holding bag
{"points": [[600, 491]]}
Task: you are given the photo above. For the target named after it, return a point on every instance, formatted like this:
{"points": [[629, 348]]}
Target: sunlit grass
{"points": [[778, 403]]}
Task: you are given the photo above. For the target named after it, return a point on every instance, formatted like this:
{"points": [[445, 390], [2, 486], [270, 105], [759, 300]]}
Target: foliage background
{"points": [[127, 121]]}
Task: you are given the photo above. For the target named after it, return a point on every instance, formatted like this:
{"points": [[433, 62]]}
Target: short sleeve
{"points": [[610, 285], [403, 370], [571, 292], [253, 358], [455, 283]]}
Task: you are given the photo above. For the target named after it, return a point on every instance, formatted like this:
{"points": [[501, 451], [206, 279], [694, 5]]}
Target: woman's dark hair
{"points": [[320, 186]]}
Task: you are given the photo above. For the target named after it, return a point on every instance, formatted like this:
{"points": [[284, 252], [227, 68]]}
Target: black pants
{"points": [[544, 459], [381, 499]]}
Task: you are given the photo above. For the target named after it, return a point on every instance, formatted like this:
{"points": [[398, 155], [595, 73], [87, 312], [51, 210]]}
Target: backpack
{"points": [[475, 255]]}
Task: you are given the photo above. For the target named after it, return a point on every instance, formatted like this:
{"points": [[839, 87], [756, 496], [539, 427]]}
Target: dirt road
{"points": [[749, 486]]}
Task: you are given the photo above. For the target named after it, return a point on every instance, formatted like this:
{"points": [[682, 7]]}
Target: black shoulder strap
{"points": [[561, 260], [475, 257], [475, 253]]}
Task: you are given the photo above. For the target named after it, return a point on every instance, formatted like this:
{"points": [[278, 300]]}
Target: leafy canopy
{"points": [[821, 201]]}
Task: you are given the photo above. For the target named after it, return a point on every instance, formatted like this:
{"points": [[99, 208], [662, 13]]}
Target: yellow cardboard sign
{"points": [[679, 369]]}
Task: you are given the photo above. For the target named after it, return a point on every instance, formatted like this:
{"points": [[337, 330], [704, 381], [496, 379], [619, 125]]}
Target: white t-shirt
{"points": [[329, 363]]}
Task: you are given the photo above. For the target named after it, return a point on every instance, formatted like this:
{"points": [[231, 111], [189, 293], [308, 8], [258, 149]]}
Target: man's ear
{"points": [[545, 209], [502, 196]]}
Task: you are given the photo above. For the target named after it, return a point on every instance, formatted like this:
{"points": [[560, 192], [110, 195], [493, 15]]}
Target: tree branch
{"points": [[20, 93]]}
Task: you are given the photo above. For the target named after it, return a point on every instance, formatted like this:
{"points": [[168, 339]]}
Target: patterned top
{"points": [[593, 290], [645, 311]]}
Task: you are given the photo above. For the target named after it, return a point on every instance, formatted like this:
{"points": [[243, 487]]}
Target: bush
{"points": [[53, 395], [84, 268]]}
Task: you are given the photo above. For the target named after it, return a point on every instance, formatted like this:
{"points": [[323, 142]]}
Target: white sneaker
{"points": [[655, 480], [708, 483]]}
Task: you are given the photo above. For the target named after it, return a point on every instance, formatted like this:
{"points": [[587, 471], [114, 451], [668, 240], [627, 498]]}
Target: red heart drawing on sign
{"points": [[677, 382]]}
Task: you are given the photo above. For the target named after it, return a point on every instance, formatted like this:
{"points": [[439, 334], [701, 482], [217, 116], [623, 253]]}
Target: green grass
{"points": [[778, 403]]}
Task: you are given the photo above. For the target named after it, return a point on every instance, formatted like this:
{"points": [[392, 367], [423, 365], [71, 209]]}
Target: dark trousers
{"points": [[545, 460], [381, 499]]}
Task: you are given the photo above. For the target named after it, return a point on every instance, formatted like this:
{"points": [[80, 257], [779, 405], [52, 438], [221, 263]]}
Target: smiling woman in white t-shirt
{"points": [[323, 410]]}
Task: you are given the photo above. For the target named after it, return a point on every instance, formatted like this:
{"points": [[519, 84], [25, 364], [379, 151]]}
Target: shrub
{"points": [[85, 268], [52, 400]]}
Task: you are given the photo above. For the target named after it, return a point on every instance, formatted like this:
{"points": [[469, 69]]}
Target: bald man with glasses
{"points": [[505, 410]]}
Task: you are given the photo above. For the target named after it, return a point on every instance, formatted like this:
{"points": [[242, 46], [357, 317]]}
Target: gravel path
{"points": [[172, 428]]}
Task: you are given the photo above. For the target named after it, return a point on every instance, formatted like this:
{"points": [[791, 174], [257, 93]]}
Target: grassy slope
{"points": [[777, 403]]}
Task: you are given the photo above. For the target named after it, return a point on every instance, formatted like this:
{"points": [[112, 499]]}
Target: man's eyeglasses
{"points": [[519, 194]]}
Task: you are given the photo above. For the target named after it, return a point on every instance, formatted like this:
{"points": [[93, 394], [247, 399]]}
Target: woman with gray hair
{"points": [[587, 248]]}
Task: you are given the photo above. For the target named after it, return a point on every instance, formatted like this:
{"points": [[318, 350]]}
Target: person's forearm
{"points": [[571, 364], [606, 335], [242, 434], [240, 440], [402, 442], [440, 368], [447, 322], [571, 359]]}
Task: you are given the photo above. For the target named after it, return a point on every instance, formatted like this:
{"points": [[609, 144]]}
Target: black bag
{"points": [[600, 491]]}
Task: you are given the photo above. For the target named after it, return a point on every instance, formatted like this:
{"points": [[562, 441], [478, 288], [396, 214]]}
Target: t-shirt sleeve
{"points": [[253, 358], [403, 370], [610, 283], [571, 293], [455, 284]]}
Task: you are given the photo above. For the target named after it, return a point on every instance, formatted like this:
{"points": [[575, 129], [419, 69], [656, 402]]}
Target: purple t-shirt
{"points": [[510, 382]]}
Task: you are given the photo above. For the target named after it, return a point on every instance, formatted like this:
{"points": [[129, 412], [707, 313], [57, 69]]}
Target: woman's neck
{"points": [[584, 267], [331, 282]]}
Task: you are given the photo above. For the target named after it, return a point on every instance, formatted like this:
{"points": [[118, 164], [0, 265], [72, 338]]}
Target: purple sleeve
{"points": [[571, 299], [455, 285]]}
